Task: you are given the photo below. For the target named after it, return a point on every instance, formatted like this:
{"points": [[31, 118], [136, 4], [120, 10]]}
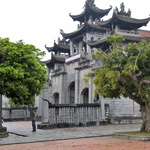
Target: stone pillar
{"points": [[90, 91], [45, 104], [77, 92], [80, 47], [61, 88], [71, 48], [3, 130], [102, 107]]}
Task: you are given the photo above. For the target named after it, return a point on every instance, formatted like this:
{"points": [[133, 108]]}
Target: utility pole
{"points": [[3, 130]]}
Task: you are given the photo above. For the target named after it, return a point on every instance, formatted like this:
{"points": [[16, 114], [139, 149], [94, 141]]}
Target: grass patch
{"points": [[136, 133]]}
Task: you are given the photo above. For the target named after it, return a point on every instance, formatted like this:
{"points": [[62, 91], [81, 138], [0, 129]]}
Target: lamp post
{"points": [[3, 130]]}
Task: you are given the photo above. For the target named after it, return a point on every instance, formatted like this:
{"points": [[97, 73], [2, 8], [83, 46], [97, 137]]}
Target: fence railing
{"points": [[19, 113], [79, 114]]}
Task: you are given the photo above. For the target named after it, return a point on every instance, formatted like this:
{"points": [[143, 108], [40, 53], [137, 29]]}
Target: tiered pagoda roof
{"points": [[84, 28], [54, 59], [123, 20], [126, 23], [60, 47], [121, 23], [90, 10]]}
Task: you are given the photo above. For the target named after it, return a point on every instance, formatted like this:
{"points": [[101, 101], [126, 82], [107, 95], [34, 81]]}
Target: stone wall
{"points": [[15, 114], [73, 115], [123, 111]]}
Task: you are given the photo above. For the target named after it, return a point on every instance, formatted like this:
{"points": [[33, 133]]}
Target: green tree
{"points": [[22, 75], [126, 72]]}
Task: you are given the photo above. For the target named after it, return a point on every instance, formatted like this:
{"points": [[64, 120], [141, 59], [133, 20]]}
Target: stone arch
{"points": [[71, 90], [56, 98], [85, 95]]}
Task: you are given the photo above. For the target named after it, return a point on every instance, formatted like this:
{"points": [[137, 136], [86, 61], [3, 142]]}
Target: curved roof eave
{"points": [[97, 43], [106, 24], [77, 17], [68, 35], [128, 22], [93, 10], [59, 47], [54, 59], [83, 29], [131, 20], [100, 11]]}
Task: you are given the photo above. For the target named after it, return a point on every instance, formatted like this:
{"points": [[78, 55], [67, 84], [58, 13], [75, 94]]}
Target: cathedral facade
{"points": [[71, 58]]}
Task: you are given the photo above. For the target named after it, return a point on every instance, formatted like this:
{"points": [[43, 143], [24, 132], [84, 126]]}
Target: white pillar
{"points": [[45, 105], [102, 107]]}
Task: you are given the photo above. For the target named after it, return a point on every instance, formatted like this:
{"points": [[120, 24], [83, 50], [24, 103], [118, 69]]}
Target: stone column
{"points": [[90, 91], [77, 93], [3, 130], [102, 107], [71, 48], [61, 88], [45, 104]]}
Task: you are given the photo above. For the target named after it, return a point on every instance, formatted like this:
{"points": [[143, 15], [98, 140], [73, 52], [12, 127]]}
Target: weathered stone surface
{"points": [[3, 132]]}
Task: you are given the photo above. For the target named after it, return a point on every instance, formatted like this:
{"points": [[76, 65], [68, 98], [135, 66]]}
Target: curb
{"points": [[131, 137], [59, 139]]}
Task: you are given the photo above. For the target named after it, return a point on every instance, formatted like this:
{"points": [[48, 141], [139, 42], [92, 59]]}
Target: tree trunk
{"points": [[0, 111], [145, 112], [3, 130]]}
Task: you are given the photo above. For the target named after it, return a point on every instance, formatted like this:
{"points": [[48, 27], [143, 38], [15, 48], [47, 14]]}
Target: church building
{"points": [[71, 58]]}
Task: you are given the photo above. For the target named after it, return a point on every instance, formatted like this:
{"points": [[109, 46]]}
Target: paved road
{"points": [[22, 132], [95, 143]]}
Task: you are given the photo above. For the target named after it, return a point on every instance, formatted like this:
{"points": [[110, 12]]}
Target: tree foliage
{"points": [[125, 72], [22, 75]]}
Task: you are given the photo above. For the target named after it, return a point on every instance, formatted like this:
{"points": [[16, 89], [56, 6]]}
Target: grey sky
{"points": [[38, 22]]}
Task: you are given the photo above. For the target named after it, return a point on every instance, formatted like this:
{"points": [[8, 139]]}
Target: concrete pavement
{"points": [[20, 132]]}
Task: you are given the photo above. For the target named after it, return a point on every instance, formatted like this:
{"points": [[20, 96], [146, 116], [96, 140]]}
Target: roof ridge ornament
{"points": [[89, 2], [122, 11]]}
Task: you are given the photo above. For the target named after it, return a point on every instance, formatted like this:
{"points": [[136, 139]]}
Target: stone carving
{"points": [[122, 11], [129, 12], [122, 7], [61, 31]]}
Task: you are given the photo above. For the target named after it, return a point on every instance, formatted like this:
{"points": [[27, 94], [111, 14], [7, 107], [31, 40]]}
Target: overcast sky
{"points": [[38, 22]]}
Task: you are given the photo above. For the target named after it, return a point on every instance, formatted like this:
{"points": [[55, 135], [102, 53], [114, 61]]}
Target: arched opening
{"points": [[56, 98], [74, 49], [92, 39], [84, 47], [85, 95], [72, 93]]}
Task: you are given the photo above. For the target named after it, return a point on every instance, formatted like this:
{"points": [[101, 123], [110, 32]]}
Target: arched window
{"points": [[56, 98], [72, 93], [74, 48], [85, 95]]}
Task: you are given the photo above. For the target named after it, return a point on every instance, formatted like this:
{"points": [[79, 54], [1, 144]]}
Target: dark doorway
{"points": [[72, 93], [56, 98], [85, 94]]}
